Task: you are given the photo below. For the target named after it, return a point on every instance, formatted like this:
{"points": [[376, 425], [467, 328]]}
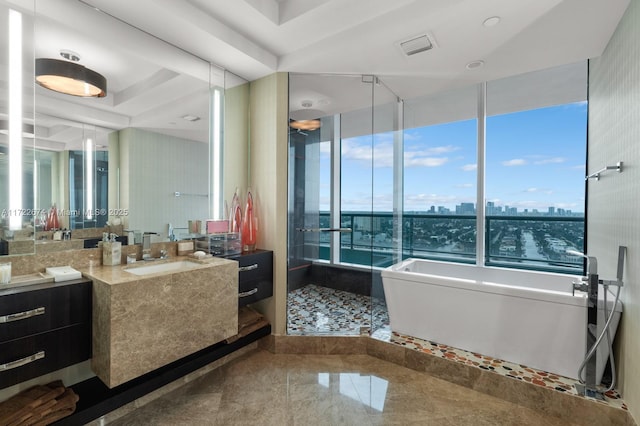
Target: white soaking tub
{"points": [[525, 317]]}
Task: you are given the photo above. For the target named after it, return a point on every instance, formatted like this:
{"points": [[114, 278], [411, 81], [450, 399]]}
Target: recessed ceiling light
{"points": [[492, 21], [191, 117], [474, 64]]}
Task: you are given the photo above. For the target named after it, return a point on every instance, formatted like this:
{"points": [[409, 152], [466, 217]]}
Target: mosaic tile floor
{"points": [[315, 310], [318, 310]]}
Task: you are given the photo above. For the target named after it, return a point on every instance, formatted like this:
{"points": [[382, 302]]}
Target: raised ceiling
{"points": [[254, 38], [152, 84]]}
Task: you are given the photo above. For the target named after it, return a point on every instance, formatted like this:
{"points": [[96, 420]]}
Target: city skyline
{"points": [[535, 159]]}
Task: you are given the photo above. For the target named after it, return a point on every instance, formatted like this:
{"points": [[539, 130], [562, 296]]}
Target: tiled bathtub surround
{"points": [[503, 368]]}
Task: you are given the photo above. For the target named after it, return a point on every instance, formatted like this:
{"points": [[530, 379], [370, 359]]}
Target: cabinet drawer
{"points": [[255, 266], [29, 357], [34, 311], [254, 290]]}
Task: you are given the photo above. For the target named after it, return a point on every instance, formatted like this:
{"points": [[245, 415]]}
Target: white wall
{"points": [[613, 216], [156, 167], [268, 178]]}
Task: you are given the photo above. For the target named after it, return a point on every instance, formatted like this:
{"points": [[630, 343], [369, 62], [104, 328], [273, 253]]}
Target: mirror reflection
{"points": [[137, 159]]}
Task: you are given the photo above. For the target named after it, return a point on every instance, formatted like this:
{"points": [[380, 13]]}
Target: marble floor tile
{"points": [[326, 390]]}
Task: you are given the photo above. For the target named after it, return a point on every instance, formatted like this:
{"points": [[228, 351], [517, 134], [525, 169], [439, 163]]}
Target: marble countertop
{"points": [[119, 274]]}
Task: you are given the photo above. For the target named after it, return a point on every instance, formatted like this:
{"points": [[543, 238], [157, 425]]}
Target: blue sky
{"points": [[534, 159]]}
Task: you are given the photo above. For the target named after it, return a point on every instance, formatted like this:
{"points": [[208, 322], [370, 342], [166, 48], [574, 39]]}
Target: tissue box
{"points": [[63, 273], [217, 226]]}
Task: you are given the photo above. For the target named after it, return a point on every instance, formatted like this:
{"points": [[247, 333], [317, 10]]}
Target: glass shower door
{"points": [[339, 230], [387, 195]]}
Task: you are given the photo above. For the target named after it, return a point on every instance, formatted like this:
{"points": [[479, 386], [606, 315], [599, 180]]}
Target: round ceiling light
{"points": [[492, 21], [70, 78], [474, 65]]}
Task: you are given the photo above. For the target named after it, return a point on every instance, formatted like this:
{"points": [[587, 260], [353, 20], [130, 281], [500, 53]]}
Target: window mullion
{"points": [[336, 165], [480, 195]]}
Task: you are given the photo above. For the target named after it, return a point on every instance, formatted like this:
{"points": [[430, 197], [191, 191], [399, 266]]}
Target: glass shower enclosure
{"points": [[344, 141]]}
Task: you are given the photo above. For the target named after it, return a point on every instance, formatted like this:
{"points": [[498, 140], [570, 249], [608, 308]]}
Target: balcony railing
{"points": [[524, 242]]}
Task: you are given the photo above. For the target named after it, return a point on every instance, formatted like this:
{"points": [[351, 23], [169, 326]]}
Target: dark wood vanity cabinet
{"points": [[255, 280], [43, 328]]}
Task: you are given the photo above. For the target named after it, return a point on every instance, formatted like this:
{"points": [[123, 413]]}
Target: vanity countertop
{"points": [[118, 274]]}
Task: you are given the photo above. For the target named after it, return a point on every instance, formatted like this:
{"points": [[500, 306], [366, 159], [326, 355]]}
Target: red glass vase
{"points": [[52, 220], [249, 225], [235, 214]]}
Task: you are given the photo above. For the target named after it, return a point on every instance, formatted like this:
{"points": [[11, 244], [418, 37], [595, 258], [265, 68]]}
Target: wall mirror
{"points": [[147, 156]]}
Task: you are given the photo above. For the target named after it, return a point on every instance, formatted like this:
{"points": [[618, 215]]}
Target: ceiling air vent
{"points": [[417, 44]]}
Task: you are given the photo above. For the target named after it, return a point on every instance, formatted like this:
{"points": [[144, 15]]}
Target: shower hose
{"points": [[605, 331]]}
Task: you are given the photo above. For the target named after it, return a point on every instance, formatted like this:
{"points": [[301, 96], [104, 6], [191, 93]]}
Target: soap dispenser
{"points": [[111, 250]]}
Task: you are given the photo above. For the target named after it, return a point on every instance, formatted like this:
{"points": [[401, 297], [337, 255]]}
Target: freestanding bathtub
{"points": [[528, 318]]}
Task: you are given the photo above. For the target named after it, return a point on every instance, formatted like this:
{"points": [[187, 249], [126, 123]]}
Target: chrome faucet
{"points": [[589, 284], [592, 273], [146, 245]]}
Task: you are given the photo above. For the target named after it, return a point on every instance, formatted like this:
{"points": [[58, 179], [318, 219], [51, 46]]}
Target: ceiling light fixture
{"points": [[474, 65], [492, 21], [190, 117], [304, 124], [69, 77]]}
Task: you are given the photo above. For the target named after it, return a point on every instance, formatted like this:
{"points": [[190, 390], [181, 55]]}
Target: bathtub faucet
{"points": [[592, 262], [588, 283]]}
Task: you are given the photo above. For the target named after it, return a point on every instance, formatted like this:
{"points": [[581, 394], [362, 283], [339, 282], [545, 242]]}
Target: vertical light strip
{"points": [[15, 119], [217, 156], [335, 196], [36, 204], [88, 155], [480, 201]]}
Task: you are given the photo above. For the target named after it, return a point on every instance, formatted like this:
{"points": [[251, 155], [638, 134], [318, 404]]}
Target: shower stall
{"points": [[344, 138]]}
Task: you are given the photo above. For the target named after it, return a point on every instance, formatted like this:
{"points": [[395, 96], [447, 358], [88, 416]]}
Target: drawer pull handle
{"points": [[22, 315], [248, 293], [248, 268], [20, 362]]}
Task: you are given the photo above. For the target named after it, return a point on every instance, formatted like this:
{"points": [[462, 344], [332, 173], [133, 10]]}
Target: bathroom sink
{"points": [[178, 266]]}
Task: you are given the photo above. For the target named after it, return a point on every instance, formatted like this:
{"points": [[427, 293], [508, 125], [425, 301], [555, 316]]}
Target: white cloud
{"points": [[551, 160], [514, 162], [538, 190], [470, 167], [383, 154], [424, 162]]}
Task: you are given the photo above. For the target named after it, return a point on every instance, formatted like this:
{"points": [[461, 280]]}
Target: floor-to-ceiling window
{"points": [[490, 174], [536, 130], [440, 176], [526, 199]]}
